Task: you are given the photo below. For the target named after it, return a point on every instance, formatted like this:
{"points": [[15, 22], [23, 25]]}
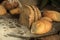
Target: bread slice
{"points": [[46, 18], [2, 10], [35, 13], [38, 12], [27, 16], [54, 15]]}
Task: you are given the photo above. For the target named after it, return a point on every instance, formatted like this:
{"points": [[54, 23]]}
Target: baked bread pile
{"points": [[31, 16], [11, 6]]}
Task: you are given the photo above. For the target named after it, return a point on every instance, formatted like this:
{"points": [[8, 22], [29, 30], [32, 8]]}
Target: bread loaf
{"points": [[2, 10], [41, 27], [27, 16], [54, 15], [39, 13]]}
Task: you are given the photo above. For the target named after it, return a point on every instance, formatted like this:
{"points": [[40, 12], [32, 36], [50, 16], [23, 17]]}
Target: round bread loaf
{"points": [[41, 27], [2, 10], [54, 15]]}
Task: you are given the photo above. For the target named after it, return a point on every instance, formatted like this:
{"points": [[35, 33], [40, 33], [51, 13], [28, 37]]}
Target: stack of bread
{"points": [[12, 6], [44, 25], [31, 16]]}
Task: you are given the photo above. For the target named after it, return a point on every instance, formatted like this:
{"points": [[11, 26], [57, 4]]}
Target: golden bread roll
{"points": [[27, 16], [2, 10], [15, 11], [46, 18], [41, 27], [9, 5], [47, 24], [54, 15], [39, 13], [35, 13]]}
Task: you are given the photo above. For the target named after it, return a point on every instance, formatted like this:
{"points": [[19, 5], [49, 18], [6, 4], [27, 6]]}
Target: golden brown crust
{"points": [[37, 28], [28, 15], [39, 13], [46, 18], [15, 11], [41, 27], [31, 15], [48, 25], [2, 10], [35, 13], [9, 5], [52, 14]]}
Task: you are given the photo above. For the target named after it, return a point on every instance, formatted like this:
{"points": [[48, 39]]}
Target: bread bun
{"points": [[15, 11], [41, 27], [46, 18], [55, 16], [2, 10], [27, 16]]}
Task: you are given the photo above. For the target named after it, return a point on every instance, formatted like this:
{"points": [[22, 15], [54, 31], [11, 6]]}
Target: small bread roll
{"points": [[46, 18], [27, 16], [41, 27], [15, 11], [2, 10], [54, 15]]}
